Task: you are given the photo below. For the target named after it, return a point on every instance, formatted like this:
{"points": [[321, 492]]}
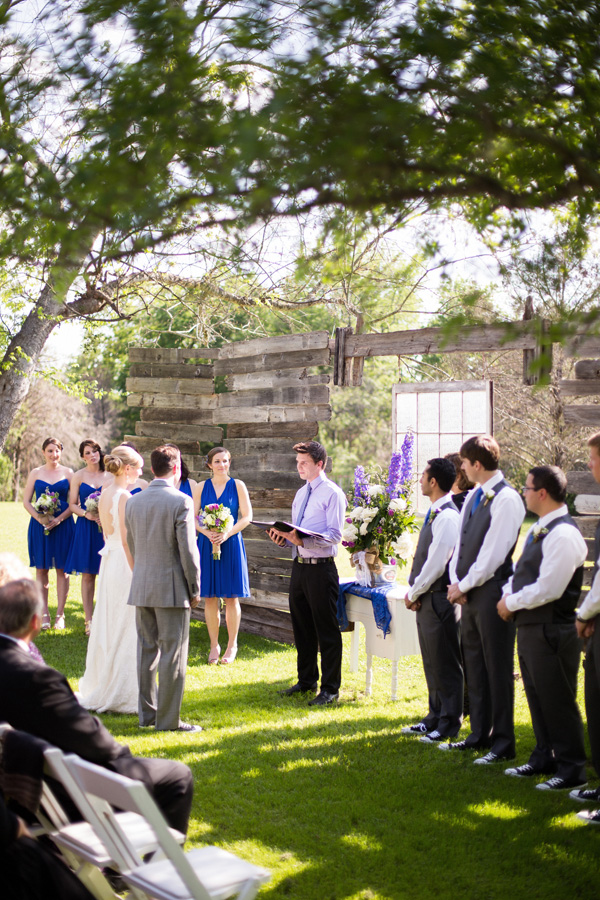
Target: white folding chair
{"points": [[200, 874], [84, 838]]}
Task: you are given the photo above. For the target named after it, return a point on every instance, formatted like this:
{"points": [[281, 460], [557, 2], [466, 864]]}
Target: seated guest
{"points": [[11, 568], [438, 620], [30, 871], [541, 596], [38, 699]]}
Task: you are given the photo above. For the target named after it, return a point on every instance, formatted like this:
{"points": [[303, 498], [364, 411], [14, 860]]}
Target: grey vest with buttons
{"points": [[472, 534], [560, 611], [423, 545]]}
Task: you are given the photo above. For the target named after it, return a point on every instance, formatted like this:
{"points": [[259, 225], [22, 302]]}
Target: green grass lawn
{"points": [[335, 802]]}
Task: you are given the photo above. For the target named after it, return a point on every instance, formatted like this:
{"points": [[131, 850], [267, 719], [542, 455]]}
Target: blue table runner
{"points": [[377, 596]]}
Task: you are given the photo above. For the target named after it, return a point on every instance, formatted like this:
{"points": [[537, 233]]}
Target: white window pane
{"points": [[428, 420], [451, 410]]}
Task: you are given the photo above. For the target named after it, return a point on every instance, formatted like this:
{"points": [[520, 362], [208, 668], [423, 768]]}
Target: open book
{"points": [[286, 526]]}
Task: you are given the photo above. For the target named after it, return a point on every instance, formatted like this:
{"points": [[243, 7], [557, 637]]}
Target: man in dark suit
{"points": [[37, 699]]}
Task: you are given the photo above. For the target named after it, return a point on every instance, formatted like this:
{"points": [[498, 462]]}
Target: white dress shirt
{"points": [[563, 551], [590, 608], [507, 514], [444, 530]]}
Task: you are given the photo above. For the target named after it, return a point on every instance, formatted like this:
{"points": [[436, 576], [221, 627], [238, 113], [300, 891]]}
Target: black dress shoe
{"points": [[323, 699], [299, 689]]}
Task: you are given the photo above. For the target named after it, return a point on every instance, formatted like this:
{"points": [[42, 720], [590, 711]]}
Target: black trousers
{"points": [[549, 657], [592, 693], [313, 606], [488, 647], [438, 627]]}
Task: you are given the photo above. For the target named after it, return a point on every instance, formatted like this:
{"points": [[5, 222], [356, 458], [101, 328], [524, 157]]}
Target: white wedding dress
{"points": [[110, 680]]}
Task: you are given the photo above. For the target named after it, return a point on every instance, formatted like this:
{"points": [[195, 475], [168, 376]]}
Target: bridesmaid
{"points": [[50, 551], [186, 484], [227, 577], [84, 556]]}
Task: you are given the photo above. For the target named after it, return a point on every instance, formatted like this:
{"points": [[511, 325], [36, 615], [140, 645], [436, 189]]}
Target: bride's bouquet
{"points": [[47, 504], [91, 505], [216, 517]]}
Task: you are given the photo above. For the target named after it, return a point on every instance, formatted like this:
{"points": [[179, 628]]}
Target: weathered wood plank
{"points": [[255, 480], [269, 414], [586, 416], [176, 415], [587, 525], [588, 576], [155, 355], [270, 566], [265, 619], [270, 462], [281, 378], [295, 431], [580, 387], [200, 353], [169, 431], [314, 340], [478, 338], [311, 395], [262, 514], [249, 446], [587, 368], [147, 444], [273, 498], [276, 583], [270, 599], [582, 483], [178, 370], [591, 555], [165, 401], [582, 345], [170, 385], [257, 549], [270, 361]]}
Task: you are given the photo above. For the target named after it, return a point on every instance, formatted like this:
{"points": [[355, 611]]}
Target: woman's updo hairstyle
{"points": [[121, 456], [212, 453]]}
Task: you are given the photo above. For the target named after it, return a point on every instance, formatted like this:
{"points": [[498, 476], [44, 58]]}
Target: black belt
{"points": [[314, 560]]}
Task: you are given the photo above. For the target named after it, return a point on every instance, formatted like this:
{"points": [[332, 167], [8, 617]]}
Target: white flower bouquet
{"points": [[216, 517]]}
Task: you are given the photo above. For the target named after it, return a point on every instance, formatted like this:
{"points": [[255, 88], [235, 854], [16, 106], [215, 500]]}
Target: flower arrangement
{"points": [[216, 517], [91, 505], [379, 518], [47, 504]]}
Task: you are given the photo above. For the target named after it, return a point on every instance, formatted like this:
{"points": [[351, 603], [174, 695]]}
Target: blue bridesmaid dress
{"points": [[51, 551], [228, 576], [186, 488], [88, 541]]}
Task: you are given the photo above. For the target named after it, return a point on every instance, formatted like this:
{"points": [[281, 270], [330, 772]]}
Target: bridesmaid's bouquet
{"points": [[216, 517], [47, 504], [91, 505]]}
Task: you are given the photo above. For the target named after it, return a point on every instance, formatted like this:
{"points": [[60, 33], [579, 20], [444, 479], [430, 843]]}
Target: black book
{"points": [[286, 526]]}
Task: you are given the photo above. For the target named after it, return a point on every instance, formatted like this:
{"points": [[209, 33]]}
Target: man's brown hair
{"points": [[482, 448], [316, 451], [163, 459]]}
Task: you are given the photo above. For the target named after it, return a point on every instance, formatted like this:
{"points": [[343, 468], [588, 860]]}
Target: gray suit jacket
{"points": [[161, 534]]}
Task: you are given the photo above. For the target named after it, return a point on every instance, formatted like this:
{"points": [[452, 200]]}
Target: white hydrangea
{"points": [[398, 504], [403, 546], [364, 528], [374, 490], [369, 513], [350, 532]]}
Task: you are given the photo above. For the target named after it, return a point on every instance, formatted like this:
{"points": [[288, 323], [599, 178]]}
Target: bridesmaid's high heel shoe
{"points": [[59, 623], [229, 656], [46, 624], [88, 627], [213, 656]]}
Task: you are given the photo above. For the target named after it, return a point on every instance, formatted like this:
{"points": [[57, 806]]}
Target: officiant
{"points": [[319, 507]]}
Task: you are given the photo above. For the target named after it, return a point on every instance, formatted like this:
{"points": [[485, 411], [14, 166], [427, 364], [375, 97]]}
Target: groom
{"points": [[166, 583]]}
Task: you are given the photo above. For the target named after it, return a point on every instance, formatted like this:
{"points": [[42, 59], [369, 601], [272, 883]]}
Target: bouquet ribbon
{"points": [[363, 575]]}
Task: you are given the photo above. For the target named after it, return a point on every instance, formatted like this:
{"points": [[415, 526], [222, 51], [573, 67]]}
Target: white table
{"points": [[401, 641]]}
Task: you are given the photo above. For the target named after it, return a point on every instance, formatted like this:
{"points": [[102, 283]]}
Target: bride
{"points": [[110, 679]]}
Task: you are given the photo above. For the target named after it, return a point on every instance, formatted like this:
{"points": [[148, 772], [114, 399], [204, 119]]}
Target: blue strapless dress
{"points": [[186, 488], [227, 577], [88, 540], [51, 551]]}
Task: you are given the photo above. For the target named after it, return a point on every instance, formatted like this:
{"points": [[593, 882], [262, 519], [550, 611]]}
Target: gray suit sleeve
{"points": [[185, 530]]}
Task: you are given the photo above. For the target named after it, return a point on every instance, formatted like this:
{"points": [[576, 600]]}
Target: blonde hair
{"points": [[121, 456], [12, 569]]}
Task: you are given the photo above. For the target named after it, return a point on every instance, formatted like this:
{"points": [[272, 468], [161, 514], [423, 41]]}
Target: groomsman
{"points": [[588, 626], [438, 620], [481, 565], [541, 597]]}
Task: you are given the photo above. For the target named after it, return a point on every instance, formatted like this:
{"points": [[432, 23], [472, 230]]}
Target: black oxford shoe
{"points": [[299, 689], [324, 699]]}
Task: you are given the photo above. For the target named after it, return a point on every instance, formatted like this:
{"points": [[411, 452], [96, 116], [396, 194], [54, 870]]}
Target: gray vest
{"points": [[560, 611], [420, 558], [473, 531]]}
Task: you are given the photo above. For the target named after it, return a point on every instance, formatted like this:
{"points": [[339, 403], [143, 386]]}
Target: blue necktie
{"points": [[529, 539], [427, 517], [304, 505], [477, 500]]}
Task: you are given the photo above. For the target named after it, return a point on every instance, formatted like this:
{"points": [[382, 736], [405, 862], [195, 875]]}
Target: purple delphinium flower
{"points": [[407, 458], [394, 481], [361, 482]]}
